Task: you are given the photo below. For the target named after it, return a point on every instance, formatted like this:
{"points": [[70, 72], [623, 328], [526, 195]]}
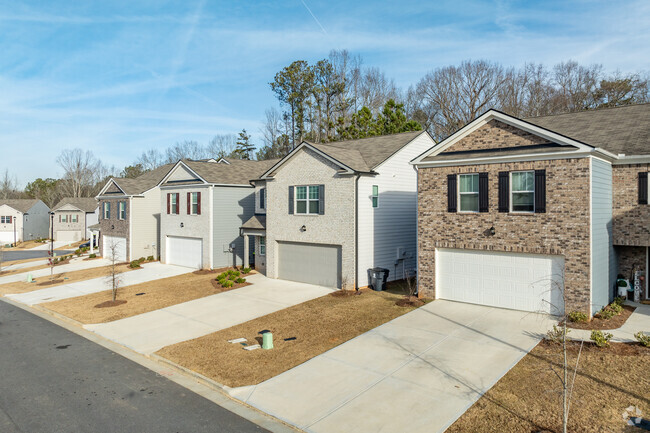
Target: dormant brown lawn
{"points": [[318, 325], [140, 298]]}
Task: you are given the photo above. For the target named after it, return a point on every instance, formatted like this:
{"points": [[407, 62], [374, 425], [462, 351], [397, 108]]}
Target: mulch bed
{"points": [[111, 303], [346, 293], [218, 286], [49, 283], [598, 323], [410, 301]]}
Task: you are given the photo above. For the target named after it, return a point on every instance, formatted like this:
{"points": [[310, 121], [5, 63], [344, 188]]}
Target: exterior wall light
{"points": [[492, 231], [182, 225], [303, 229]]}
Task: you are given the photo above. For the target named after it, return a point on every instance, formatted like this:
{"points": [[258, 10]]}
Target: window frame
{"points": [[262, 201], [262, 245], [174, 208], [193, 196], [307, 200], [6, 219], [74, 218], [107, 210], [374, 197], [460, 194], [121, 207], [512, 191]]}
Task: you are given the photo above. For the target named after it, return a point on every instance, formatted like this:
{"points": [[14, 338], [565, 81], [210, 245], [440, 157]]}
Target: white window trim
{"points": [[5, 219], [107, 208], [525, 212], [263, 197], [174, 208], [119, 210], [194, 203], [262, 245], [478, 205], [307, 200], [374, 197]]}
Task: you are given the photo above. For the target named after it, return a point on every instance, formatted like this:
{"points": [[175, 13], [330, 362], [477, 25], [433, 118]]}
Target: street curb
{"points": [[186, 378]]}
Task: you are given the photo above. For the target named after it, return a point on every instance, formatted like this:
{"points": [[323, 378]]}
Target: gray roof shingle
{"points": [[20, 204], [86, 204], [256, 222], [238, 172], [143, 183]]}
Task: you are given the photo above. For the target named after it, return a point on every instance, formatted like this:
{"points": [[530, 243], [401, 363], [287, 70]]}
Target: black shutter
{"points": [[504, 191], [483, 198], [540, 191], [291, 200], [451, 193], [321, 199], [262, 192], [643, 187]]}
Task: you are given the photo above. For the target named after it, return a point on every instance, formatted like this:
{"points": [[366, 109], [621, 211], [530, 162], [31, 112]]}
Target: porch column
{"points": [[92, 242], [246, 252]]}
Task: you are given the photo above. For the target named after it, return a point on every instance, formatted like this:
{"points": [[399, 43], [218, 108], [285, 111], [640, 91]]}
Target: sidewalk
{"points": [[638, 321], [76, 264]]}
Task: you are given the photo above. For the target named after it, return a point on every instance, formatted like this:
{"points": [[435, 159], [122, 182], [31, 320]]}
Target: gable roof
{"points": [[619, 130], [141, 183], [235, 172], [20, 204], [86, 204], [362, 155]]}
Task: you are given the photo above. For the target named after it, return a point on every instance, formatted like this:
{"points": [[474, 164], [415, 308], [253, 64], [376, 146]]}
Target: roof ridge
{"points": [[587, 110]]}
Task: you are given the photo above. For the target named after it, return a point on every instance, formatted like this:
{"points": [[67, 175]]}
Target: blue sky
{"points": [[120, 77]]}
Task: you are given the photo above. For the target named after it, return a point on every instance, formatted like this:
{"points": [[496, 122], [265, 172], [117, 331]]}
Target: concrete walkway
{"points": [[75, 264], [638, 321], [25, 265], [417, 373], [149, 272], [149, 332], [46, 246]]}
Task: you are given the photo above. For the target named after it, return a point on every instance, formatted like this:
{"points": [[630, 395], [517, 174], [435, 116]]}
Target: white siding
{"points": [[14, 230], [91, 220], [37, 223], [603, 258], [145, 225], [391, 225], [232, 206]]}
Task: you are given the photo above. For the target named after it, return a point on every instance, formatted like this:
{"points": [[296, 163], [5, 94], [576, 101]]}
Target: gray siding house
{"points": [[203, 205], [23, 220], [73, 217]]}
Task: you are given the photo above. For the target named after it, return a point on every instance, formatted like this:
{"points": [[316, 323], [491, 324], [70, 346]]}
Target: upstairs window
{"points": [[75, 218], [262, 198], [468, 192], [107, 210], [63, 218], [375, 195], [5, 219], [522, 191], [121, 210], [262, 245], [194, 203], [173, 203], [307, 200]]}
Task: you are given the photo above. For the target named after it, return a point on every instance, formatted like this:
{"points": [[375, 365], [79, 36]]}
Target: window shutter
{"points": [[540, 191], [11, 219], [262, 193], [504, 191], [321, 199], [189, 202], [483, 197], [169, 203], [59, 217], [108, 206], [643, 187], [291, 200], [451, 193], [198, 201], [177, 209]]}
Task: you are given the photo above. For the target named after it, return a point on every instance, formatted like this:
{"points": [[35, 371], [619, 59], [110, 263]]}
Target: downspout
{"points": [[356, 231], [417, 231]]}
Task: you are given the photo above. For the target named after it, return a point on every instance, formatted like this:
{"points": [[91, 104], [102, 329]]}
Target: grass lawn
{"points": [[318, 325], [527, 398], [140, 298], [62, 278], [30, 269], [25, 245]]}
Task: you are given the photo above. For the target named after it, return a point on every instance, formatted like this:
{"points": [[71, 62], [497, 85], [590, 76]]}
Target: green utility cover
{"points": [[267, 341]]}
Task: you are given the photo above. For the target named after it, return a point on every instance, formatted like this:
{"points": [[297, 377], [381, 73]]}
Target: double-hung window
{"points": [[5, 219], [262, 245], [75, 218], [522, 190], [307, 200], [173, 203], [195, 204], [107, 210], [63, 218], [468, 192], [262, 198], [121, 210], [375, 195]]}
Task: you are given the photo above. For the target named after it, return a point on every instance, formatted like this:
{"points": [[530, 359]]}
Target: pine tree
{"points": [[245, 148]]}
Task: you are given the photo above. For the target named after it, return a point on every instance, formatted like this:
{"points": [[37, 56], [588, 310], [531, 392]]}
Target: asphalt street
{"points": [[52, 380], [8, 256]]}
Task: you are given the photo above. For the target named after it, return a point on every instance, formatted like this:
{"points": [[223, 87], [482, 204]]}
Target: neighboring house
{"points": [[73, 217], [327, 213], [129, 216], [23, 220], [203, 205], [511, 210]]}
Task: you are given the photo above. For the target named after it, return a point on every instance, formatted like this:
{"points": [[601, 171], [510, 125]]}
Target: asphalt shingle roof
{"points": [[20, 204], [238, 172], [86, 204], [256, 222], [143, 183]]}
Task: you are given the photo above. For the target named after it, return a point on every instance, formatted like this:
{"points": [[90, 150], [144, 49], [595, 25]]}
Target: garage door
{"points": [[6, 238], [528, 282], [310, 263], [184, 251], [120, 248], [68, 235]]}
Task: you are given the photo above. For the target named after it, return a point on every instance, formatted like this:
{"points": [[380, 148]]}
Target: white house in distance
{"points": [[23, 220], [73, 217]]}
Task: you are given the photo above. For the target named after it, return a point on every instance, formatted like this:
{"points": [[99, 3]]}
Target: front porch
{"points": [[256, 227]]}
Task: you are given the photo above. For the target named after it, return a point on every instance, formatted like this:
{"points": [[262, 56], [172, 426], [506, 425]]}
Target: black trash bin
{"points": [[377, 278]]}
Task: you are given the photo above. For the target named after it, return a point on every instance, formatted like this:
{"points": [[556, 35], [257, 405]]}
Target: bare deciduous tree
{"points": [[151, 159], [80, 172], [9, 186], [114, 275], [221, 146]]}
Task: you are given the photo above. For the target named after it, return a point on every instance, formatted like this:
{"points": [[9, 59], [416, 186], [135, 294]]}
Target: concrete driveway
{"points": [[46, 246], [75, 264], [149, 272], [148, 332], [417, 373]]}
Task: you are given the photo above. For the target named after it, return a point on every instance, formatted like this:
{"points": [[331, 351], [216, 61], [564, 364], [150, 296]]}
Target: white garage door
{"points": [[68, 235], [528, 282], [120, 248], [310, 263], [7, 238], [183, 251]]}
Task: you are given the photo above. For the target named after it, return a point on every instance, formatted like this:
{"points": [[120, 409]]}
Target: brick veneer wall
{"points": [[632, 258], [114, 226], [562, 230], [631, 220], [496, 135]]}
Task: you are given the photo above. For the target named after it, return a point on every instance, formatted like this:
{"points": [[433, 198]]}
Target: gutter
{"points": [[356, 231]]}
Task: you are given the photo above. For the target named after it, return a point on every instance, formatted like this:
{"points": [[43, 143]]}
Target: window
{"points": [[375, 195], [5, 219], [262, 198], [107, 210], [522, 191], [307, 200], [63, 218], [195, 203], [262, 246], [75, 218], [173, 203], [468, 192], [121, 210]]}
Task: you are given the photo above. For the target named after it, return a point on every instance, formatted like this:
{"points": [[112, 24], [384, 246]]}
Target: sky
{"points": [[121, 77]]}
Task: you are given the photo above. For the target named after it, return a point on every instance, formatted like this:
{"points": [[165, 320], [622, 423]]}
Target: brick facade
{"points": [[563, 230], [632, 259], [114, 226], [631, 220], [495, 135]]}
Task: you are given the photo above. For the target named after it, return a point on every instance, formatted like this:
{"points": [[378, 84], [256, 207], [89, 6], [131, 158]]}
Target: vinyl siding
{"points": [[603, 258], [393, 223], [232, 206], [37, 223], [145, 224]]}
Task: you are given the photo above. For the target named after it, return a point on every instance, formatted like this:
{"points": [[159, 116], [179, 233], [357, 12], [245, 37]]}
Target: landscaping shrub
{"points": [[227, 284], [601, 338], [643, 338], [141, 260], [134, 264], [246, 271], [150, 259], [606, 313], [92, 256], [619, 300], [78, 252], [240, 280], [555, 335], [578, 316], [616, 308]]}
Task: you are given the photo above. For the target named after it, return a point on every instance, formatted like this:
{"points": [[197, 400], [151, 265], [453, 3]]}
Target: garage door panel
{"points": [[184, 251], [310, 263], [507, 280], [120, 248]]}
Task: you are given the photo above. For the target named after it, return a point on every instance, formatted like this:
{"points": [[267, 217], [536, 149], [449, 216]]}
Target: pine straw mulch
{"points": [[140, 298], [600, 323], [527, 399], [318, 325]]}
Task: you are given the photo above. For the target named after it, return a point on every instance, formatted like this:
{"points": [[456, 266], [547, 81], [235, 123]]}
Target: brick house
{"points": [[73, 217], [510, 210]]}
